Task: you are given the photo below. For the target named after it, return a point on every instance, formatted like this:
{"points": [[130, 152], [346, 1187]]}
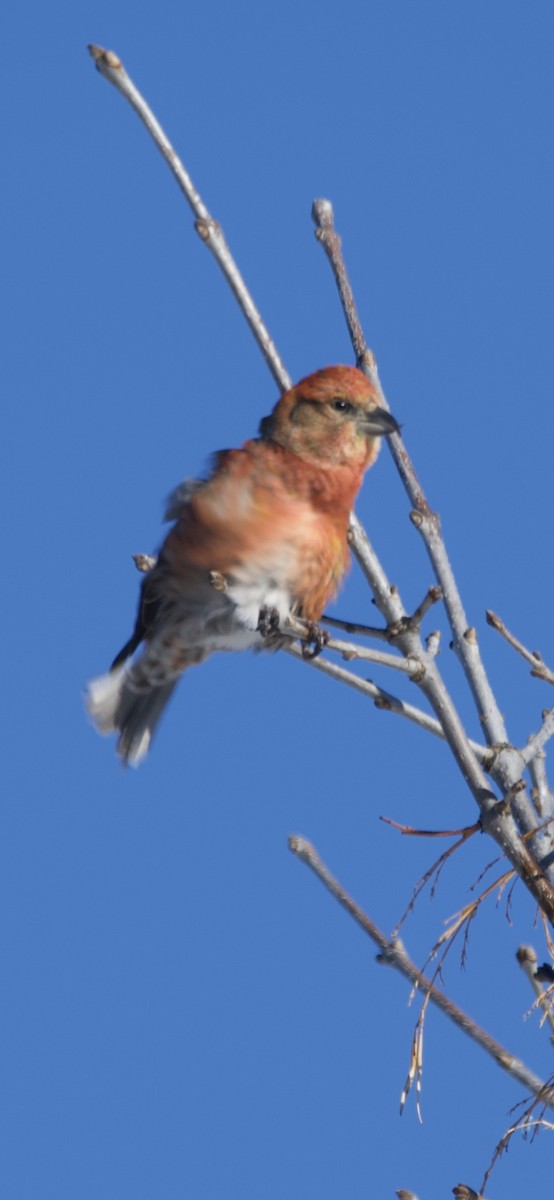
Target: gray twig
{"points": [[423, 518], [539, 667], [208, 229], [393, 954], [540, 738]]}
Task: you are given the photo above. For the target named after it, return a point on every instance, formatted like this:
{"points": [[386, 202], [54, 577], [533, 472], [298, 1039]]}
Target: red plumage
{"points": [[271, 522]]}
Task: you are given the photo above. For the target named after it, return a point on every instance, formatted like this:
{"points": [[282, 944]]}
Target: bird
{"points": [[262, 541]]}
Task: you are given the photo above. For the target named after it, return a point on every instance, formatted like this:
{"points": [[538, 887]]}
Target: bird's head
{"points": [[331, 418]]}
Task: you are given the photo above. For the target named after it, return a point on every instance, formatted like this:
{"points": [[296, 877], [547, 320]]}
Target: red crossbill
{"points": [[261, 541]]}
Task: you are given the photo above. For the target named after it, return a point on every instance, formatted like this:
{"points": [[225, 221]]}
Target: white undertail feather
{"points": [[115, 706], [103, 697], [130, 699], [139, 749]]}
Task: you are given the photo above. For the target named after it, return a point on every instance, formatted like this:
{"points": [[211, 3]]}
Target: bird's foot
{"points": [[218, 581], [316, 640], [268, 621]]}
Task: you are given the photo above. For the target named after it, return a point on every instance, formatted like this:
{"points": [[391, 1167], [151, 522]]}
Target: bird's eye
{"points": [[342, 406]]}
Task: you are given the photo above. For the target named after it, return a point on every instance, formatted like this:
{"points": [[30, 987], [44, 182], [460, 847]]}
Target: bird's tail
{"points": [[116, 705]]}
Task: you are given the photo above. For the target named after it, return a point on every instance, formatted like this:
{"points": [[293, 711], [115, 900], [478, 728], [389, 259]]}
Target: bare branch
{"points": [[388, 600], [324, 220], [208, 229], [507, 766], [469, 912], [350, 652], [423, 518], [540, 669], [525, 1125], [541, 794], [411, 831], [370, 631], [433, 595], [539, 739], [434, 871], [393, 954], [413, 667], [383, 699]]}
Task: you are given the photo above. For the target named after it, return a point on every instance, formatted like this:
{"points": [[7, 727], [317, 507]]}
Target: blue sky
{"points": [[185, 1012]]}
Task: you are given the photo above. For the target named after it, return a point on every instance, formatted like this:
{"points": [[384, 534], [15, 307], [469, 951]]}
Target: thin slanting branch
{"points": [[388, 633], [391, 632], [350, 652], [393, 954], [540, 738], [370, 631], [526, 1125], [542, 798], [435, 870], [539, 667], [507, 766], [423, 517], [496, 820], [385, 700], [208, 229], [541, 795], [295, 627]]}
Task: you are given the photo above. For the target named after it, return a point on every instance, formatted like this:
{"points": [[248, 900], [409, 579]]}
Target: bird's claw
{"points": [[268, 621], [316, 641]]}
